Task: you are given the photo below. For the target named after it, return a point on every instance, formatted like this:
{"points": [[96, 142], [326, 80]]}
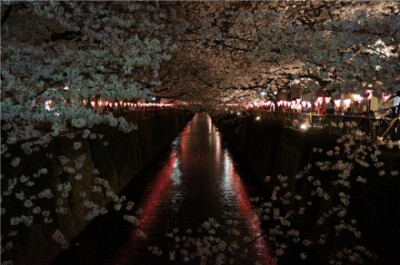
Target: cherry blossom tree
{"points": [[58, 55], [250, 47], [55, 57]]}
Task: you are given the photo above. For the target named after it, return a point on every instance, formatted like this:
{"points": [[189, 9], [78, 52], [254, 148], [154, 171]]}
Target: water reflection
{"points": [[235, 190], [197, 181]]}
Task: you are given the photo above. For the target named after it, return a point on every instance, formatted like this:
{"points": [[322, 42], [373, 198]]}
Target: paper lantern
{"points": [[337, 103], [359, 100], [347, 103], [320, 100], [369, 94], [327, 100], [386, 97]]}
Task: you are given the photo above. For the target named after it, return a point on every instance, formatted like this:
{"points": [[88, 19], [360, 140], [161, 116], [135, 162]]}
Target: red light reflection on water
{"points": [[157, 191], [245, 210], [161, 186], [160, 189]]}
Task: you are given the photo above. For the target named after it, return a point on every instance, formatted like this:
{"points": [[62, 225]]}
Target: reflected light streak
{"points": [[237, 189], [176, 175], [157, 190], [161, 186], [218, 148], [209, 124]]}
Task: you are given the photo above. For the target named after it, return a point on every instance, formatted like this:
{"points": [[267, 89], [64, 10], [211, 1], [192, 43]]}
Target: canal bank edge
{"points": [[118, 162], [267, 148]]}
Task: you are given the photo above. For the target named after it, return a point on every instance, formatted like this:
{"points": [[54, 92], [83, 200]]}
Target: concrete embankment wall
{"points": [[264, 147], [118, 162]]}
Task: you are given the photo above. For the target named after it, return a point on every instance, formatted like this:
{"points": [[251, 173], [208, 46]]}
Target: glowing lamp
{"points": [[369, 94], [110, 104], [93, 103], [386, 97], [116, 104], [337, 103], [347, 103], [327, 100], [304, 126], [358, 98]]}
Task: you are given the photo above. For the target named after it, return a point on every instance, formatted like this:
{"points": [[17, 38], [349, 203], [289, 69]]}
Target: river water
{"points": [[194, 181]]}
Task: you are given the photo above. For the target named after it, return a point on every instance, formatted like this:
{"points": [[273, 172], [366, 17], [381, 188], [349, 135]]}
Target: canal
{"points": [[192, 206]]}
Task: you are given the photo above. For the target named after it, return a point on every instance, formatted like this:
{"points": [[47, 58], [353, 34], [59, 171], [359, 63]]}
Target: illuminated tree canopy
{"points": [[58, 56], [234, 49], [219, 51]]}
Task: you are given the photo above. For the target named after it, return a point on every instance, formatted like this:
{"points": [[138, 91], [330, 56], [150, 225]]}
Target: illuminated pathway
{"points": [[195, 182]]}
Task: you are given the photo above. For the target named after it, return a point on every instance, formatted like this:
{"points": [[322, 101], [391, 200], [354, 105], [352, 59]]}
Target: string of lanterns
{"points": [[299, 104], [112, 104]]}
